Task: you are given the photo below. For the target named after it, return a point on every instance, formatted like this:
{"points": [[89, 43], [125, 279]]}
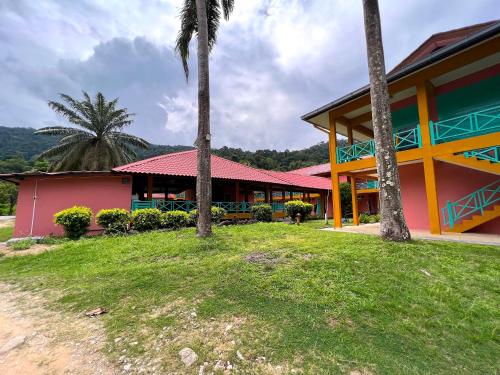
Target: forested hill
{"points": [[21, 143]]}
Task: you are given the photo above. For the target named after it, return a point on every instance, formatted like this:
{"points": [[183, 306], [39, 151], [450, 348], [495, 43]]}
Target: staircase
{"points": [[474, 209], [485, 160]]}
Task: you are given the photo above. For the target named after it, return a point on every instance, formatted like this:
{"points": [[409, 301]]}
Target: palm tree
{"points": [[100, 144], [202, 17], [392, 221]]}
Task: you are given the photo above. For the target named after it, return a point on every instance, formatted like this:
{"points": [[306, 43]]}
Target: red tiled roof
{"points": [[313, 170], [184, 164], [440, 40]]}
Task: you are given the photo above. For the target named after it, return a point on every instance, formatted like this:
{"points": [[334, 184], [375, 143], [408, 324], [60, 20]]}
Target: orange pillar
{"points": [[337, 211], [424, 94], [354, 197]]}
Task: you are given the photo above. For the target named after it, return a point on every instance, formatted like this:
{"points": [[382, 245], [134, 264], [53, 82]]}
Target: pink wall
{"points": [[453, 182], [57, 193]]}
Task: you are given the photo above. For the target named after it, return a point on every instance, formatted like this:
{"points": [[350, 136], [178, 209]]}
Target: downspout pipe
{"points": [[33, 210]]}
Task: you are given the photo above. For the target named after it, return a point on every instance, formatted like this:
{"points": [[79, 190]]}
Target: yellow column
{"points": [[424, 92], [354, 195], [337, 212]]}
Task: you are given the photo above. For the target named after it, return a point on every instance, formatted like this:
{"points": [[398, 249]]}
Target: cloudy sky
{"points": [[275, 60]]}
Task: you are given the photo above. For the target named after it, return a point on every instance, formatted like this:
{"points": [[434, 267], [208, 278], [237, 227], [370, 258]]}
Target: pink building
{"points": [[445, 106], [166, 182]]}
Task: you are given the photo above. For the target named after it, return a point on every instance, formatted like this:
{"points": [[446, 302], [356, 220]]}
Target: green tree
{"points": [[100, 144], [203, 18], [8, 198], [392, 221]]}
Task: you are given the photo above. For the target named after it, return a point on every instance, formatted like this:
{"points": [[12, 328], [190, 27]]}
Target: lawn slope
{"points": [[277, 298]]}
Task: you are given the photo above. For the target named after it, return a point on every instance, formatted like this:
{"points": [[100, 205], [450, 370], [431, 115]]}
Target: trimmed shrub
{"points": [[114, 220], [217, 215], [75, 221], [293, 208], [146, 219], [364, 218], [376, 218], [262, 212], [174, 219]]}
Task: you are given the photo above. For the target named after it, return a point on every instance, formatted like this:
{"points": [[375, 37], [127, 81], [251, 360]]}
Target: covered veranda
{"points": [[168, 183]]}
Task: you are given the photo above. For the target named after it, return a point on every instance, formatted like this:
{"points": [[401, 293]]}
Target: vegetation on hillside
{"points": [[312, 302], [23, 145]]}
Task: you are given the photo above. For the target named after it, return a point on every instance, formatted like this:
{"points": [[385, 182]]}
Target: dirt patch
{"points": [[34, 249], [263, 258], [6, 223], [53, 343]]}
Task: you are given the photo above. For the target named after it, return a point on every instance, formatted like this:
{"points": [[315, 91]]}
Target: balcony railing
{"points": [[230, 207], [474, 203], [492, 154], [403, 140], [469, 125], [370, 184]]}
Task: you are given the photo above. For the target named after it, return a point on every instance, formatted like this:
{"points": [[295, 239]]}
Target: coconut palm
{"points": [[392, 221], [100, 144], [202, 17]]}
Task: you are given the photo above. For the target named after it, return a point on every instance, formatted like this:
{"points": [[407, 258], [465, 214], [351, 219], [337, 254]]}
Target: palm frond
{"points": [[213, 21], [227, 8], [130, 139], [58, 150], [188, 27], [57, 130]]}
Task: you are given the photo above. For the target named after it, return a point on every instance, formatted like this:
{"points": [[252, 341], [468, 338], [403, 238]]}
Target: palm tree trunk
{"points": [[392, 222], [203, 181]]}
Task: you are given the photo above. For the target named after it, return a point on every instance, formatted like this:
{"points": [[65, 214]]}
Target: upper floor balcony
{"points": [[485, 121]]}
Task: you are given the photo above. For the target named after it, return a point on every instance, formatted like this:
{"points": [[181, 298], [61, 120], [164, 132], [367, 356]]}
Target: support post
{"points": [[237, 195], [332, 138], [424, 94], [354, 196], [150, 188], [268, 199]]}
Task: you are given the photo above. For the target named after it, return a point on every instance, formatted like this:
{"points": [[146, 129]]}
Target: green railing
{"points": [[370, 184], [469, 125], [473, 203], [491, 154], [230, 207], [403, 140]]}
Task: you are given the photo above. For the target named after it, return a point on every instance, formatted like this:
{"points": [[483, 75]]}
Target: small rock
{"points": [[240, 356], [219, 365], [127, 367], [96, 312], [188, 356], [193, 314], [118, 339], [425, 272], [12, 344], [228, 327]]}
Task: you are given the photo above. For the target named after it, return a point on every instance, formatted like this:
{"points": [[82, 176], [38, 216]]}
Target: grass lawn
{"points": [[308, 301], [6, 233]]}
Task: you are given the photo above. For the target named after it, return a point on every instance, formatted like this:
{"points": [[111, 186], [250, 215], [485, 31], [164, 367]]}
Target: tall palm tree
{"points": [[100, 144], [392, 221], [202, 17]]}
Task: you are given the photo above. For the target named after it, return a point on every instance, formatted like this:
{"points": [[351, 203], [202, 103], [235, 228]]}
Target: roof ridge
{"points": [[144, 161]]}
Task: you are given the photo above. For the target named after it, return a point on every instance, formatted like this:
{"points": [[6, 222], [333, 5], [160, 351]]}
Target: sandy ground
{"points": [[34, 249], [47, 342]]}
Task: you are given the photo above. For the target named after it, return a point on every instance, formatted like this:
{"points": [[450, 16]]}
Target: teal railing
{"points": [[469, 125], [230, 207], [403, 140], [370, 184], [491, 154], [474, 203]]}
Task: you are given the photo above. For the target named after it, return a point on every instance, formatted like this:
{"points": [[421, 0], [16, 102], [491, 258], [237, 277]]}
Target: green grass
{"points": [[22, 244], [325, 303], [6, 233]]}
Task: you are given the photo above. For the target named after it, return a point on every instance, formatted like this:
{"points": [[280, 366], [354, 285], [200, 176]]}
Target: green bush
{"points": [[174, 219], [364, 218], [217, 215], [75, 221], [146, 219], [262, 212], [293, 208], [376, 218], [114, 220]]}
